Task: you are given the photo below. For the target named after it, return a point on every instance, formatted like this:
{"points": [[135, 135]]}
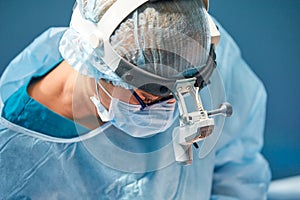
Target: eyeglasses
{"points": [[146, 104]]}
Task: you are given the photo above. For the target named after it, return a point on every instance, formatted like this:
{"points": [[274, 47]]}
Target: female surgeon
{"points": [[99, 110]]}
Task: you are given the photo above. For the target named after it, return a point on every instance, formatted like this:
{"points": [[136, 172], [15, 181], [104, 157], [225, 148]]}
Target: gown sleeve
{"points": [[240, 172]]}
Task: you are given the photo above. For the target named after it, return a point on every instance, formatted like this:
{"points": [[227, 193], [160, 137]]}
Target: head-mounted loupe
{"points": [[194, 126]]}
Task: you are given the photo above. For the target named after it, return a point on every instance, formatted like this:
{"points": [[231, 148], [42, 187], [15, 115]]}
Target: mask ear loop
{"points": [[102, 111], [97, 92], [104, 90]]}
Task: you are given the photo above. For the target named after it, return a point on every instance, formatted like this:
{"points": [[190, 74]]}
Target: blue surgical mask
{"points": [[135, 122]]}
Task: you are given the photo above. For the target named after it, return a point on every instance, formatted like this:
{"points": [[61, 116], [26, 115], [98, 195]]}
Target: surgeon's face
{"points": [[127, 96]]}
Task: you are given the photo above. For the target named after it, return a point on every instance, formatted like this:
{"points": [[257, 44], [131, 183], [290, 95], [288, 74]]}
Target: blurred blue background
{"points": [[267, 32]]}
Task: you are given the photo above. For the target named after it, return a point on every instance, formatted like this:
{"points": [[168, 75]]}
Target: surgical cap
{"points": [[169, 34]]}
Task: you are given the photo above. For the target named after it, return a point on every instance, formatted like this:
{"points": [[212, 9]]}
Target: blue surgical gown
{"points": [[33, 167]]}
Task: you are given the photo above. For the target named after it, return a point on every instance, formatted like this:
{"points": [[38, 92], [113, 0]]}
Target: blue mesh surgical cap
{"points": [[166, 34]]}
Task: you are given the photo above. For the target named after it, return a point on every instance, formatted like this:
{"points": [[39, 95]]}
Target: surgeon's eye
{"points": [[145, 101]]}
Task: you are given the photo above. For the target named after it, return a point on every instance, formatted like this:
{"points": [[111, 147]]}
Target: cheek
{"points": [[124, 95], [171, 101]]}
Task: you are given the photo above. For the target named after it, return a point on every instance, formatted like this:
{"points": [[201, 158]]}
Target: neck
{"points": [[65, 92]]}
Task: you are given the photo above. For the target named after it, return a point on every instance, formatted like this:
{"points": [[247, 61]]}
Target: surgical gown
{"points": [[33, 167]]}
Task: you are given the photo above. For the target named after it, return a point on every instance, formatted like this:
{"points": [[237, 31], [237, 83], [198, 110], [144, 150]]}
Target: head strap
{"points": [[100, 33]]}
